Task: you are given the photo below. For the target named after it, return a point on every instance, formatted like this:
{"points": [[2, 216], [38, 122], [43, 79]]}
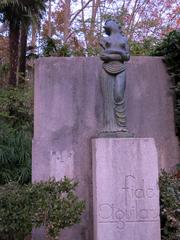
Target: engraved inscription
{"points": [[135, 207]]}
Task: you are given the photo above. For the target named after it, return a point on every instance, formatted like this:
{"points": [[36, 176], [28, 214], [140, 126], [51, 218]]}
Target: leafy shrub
{"points": [[146, 47], [16, 108], [15, 135], [51, 204], [48, 46], [4, 71], [15, 212], [52, 47], [170, 49], [15, 155], [170, 206]]}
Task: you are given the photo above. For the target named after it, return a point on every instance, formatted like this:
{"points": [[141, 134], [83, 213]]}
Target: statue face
{"points": [[110, 26]]}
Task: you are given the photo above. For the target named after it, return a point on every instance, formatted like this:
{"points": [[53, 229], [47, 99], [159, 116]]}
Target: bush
{"points": [[170, 49], [170, 206], [4, 72], [144, 48], [15, 134], [51, 204], [15, 155], [16, 108], [52, 47]]}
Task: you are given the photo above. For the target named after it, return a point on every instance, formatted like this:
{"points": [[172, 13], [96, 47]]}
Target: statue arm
{"points": [[102, 43], [110, 57], [127, 51], [123, 51], [114, 51], [116, 54]]}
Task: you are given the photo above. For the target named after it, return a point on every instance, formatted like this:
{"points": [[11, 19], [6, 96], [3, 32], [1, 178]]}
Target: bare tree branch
{"points": [[79, 11]]}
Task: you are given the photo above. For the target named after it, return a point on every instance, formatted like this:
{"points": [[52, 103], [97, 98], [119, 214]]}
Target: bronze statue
{"points": [[115, 51]]}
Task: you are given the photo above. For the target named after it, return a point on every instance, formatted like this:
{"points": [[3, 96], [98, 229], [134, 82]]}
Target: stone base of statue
{"points": [[125, 189], [124, 133]]}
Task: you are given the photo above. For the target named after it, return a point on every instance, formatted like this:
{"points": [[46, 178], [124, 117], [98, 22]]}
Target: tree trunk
{"points": [[95, 6], [84, 25], [49, 20], [14, 27], [22, 56], [67, 16], [33, 40]]}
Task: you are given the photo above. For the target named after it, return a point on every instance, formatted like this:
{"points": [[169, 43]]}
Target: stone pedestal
{"points": [[125, 187]]}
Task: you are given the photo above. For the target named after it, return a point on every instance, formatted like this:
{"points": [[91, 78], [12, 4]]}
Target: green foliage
{"points": [[21, 10], [48, 47], [15, 135], [51, 47], [51, 204], [15, 155], [145, 48], [170, 206], [15, 212], [16, 107], [63, 51], [168, 45], [4, 69], [93, 51], [170, 49]]}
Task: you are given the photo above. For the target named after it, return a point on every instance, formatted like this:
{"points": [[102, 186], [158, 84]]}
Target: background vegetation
{"points": [[169, 47], [16, 122], [170, 206], [74, 27]]}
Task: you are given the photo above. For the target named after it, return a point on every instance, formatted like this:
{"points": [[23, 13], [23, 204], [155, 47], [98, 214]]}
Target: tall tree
{"points": [[67, 16], [15, 12], [22, 52], [95, 7], [34, 14], [11, 10]]}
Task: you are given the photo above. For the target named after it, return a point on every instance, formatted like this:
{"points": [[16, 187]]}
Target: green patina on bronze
{"points": [[115, 51]]}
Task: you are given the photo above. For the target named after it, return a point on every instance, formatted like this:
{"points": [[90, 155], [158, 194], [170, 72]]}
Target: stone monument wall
{"points": [[68, 113]]}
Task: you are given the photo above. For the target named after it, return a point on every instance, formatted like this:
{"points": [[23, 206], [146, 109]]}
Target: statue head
{"points": [[112, 26]]}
